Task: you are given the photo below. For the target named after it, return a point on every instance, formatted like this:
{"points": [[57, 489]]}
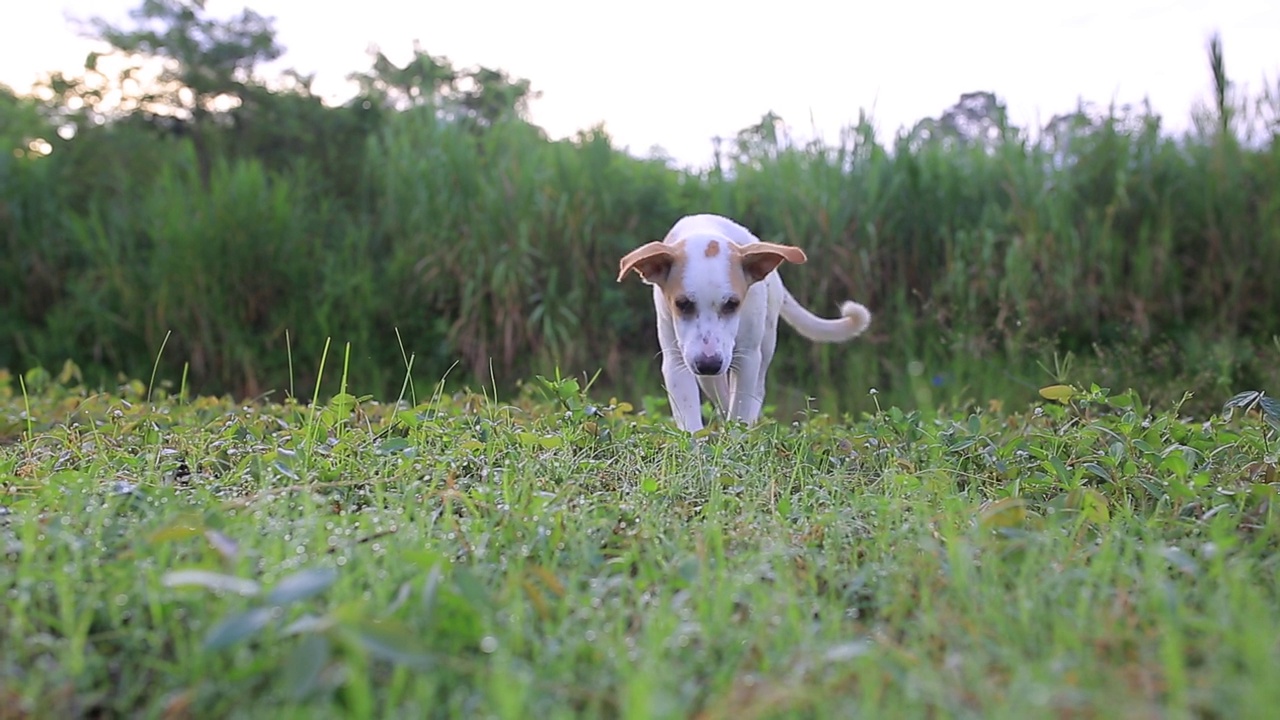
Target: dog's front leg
{"points": [[682, 388], [682, 392], [716, 387], [746, 397]]}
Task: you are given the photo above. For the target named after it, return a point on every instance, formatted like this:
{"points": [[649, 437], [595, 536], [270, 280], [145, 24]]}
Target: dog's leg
{"points": [[682, 388], [767, 345], [746, 397], [717, 388], [682, 392]]}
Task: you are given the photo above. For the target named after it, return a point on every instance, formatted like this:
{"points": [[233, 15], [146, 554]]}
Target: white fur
{"points": [[734, 348]]}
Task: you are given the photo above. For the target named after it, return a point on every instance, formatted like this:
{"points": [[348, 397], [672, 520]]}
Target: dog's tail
{"points": [[854, 319]]}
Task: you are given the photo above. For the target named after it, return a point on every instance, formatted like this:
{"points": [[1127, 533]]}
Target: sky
{"points": [[679, 72]]}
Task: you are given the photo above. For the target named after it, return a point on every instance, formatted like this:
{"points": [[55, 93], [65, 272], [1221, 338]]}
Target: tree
{"points": [[979, 118], [22, 129], [476, 97], [176, 66]]}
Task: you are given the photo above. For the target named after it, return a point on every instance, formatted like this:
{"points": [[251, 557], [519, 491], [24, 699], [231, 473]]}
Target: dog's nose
{"points": [[707, 364]]}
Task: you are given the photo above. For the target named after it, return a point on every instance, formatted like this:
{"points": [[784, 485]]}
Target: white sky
{"points": [[677, 73]]}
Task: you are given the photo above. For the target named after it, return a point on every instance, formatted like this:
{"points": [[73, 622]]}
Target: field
{"points": [[1002, 501], [555, 555]]}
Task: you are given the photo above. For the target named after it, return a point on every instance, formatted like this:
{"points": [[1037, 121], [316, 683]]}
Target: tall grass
{"points": [[497, 250]]}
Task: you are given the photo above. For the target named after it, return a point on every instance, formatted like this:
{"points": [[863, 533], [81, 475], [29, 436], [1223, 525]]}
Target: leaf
{"points": [[309, 624], [1244, 399], [285, 468], [1180, 560], [1091, 504], [391, 641], [1098, 471], [342, 404], [1009, 512], [1060, 469], [306, 662], [302, 585], [223, 545], [238, 627], [394, 445], [1059, 393], [845, 652], [430, 588], [217, 582], [1270, 411], [181, 530]]}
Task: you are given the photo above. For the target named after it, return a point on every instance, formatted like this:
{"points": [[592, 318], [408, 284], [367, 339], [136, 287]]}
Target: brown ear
{"points": [[761, 258], [650, 261]]}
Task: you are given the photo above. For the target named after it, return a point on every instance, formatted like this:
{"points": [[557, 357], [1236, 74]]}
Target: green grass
{"points": [[553, 555]]}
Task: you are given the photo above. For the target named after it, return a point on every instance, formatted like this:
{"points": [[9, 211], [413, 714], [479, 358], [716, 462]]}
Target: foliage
{"points": [[554, 555]]}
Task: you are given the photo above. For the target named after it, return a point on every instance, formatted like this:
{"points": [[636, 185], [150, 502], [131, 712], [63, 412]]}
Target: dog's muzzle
{"points": [[708, 364]]}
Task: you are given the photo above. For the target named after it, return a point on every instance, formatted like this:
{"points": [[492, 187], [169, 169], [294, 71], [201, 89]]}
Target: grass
{"points": [[552, 555]]}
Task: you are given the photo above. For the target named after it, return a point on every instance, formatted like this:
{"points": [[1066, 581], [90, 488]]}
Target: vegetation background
{"points": [[171, 202]]}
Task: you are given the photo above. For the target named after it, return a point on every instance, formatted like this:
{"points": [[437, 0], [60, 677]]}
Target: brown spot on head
{"points": [[713, 249]]}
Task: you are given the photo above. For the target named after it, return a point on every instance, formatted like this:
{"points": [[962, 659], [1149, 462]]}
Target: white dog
{"points": [[718, 300]]}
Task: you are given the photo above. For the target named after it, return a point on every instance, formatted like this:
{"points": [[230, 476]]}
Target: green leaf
{"points": [[302, 585], [1060, 469], [1058, 393], [1270, 409], [217, 582], [430, 589], [391, 641], [1244, 399], [309, 624], [184, 528], [238, 627], [303, 667], [1098, 471], [1091, 504], [1006, 513], [391, 446], [342, 404], [1176, 465]]}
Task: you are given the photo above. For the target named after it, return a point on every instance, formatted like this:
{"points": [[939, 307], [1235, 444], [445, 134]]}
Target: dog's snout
{"points": [[708, 364]]}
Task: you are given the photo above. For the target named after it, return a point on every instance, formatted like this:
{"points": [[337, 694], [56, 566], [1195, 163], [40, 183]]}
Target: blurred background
{"points": [[1022, 196]]}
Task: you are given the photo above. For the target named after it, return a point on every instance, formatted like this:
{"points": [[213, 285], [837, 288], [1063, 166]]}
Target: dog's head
{"points": [[704, 279]]}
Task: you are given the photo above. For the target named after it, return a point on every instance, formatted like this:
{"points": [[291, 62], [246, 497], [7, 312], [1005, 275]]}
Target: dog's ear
{"points": [[761, 258], [651, 261]]}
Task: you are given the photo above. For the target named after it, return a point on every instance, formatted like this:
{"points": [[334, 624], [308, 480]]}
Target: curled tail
{"points": [[854, 319]]}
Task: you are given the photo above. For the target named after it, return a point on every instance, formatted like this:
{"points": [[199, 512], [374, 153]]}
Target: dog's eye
{"points": [[730, 306], [684, 306]]}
